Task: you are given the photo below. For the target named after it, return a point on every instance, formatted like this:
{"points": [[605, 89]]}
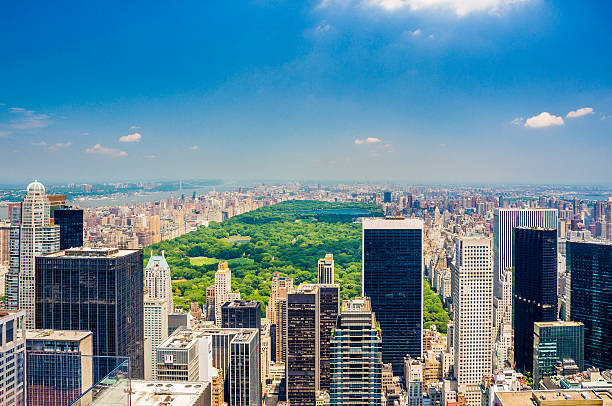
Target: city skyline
{"points": [[439, 91]]}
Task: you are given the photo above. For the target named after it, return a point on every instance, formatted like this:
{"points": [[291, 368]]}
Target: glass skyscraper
{"points": [[535, 287], [356, 359], [589, 265], [70, 222], [556, 341], [393, 280], [98, 290]]}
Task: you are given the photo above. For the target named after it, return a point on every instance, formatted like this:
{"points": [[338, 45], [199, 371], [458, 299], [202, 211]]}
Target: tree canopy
{"points": [[289, 238]]}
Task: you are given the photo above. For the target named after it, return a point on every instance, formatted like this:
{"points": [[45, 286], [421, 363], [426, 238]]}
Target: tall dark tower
{"points": [[98, 290], [70, 222], [393, 280], [590, 267], [241, 314], [535, 287]]}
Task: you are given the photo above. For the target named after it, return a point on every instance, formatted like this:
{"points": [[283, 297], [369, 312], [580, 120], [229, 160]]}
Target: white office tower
{"points": [[413, 370], [158, 282], [223, 290], [504, 222], [12, 357], [186, 355], [326, 269], [502, 325], [473, 314], [37, 237], [156, 330]]}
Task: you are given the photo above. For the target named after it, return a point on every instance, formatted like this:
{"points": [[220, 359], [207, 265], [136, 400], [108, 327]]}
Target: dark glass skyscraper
{"points": [[70, 222], [535, 287], [241, 314], [329, 302], [98, 290], [393, 280], [556, 341], [589, 265]]}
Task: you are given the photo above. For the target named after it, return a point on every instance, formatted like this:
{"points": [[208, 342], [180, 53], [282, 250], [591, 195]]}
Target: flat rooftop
{"points": [[245, 335], [241, 303], [56, 335], [557, 323], [393, 223], [181, 339], [156, 393], [91, 252], [572, 397]]}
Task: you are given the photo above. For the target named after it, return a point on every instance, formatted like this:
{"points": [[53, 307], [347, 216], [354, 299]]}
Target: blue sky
{"points": [[364, 90]]}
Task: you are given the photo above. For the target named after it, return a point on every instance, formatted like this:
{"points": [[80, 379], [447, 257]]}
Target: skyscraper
{"points": [[70, 222], [12, 357], [158, 282], [156, 319], [328, 305], [245, 382], [301, 366], [98, 290], [504, 222], [312, 310], [393, 280], [473, 314], [276, 312], [356, 357], [535, 287], [325, 268], [555, 341], [241, 314], [37, 236], [589, 265], [223, 290], [59, 366]]}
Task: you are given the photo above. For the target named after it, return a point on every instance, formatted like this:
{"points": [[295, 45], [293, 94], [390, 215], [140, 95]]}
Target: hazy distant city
{"points": [[306, 203]]}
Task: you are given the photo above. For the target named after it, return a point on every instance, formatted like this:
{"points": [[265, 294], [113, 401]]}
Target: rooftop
{"points": [[558, 323], [157, 393], [91, 252], [181, 339], [241, 303], [556, 397], [392, 223], [63, 335]]}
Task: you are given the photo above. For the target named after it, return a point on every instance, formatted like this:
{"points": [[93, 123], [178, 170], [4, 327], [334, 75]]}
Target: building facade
{"points": [[155, 329], [392, 277], [37, 236], [70, 222], [276, 312], [356, 356], [223, 290], [98, 290], [59, 366], [185, 356], [535, 287], [245, 370], [589, 265], [158, 281], [473, 315], [325, 268], [12, 357], [556, 341]]}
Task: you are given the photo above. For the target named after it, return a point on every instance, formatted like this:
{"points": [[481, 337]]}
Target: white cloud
{"points": [[544, 119], [134, 137], [52, 147], [518, 121], [416, 32], [322, 28], [28, 119], [134, 127], [585, 111], [151, 156], [60, 145], [459, 7], [369, 140], [194, 147], [100, 150]]}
